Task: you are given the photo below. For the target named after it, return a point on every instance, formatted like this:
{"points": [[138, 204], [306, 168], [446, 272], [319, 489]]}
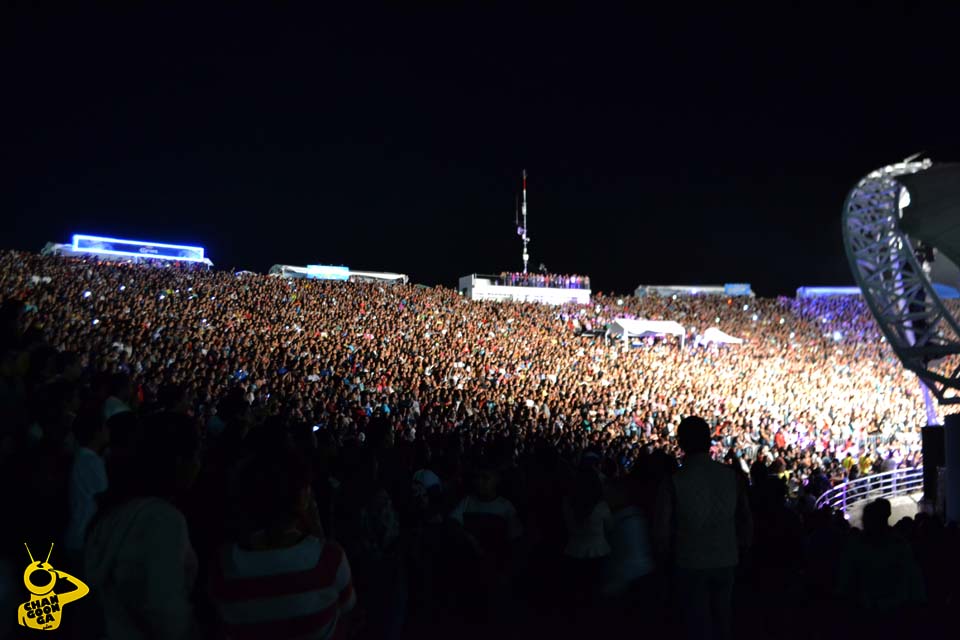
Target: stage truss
{"points": [[913, 318]]}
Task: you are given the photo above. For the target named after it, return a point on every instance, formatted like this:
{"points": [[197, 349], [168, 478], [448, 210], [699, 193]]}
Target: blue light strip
{"points": [[812, 292], [327, 272], [77, 238]]}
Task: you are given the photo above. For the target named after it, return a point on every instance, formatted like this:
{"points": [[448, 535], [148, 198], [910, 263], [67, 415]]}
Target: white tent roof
{"points": [[715, 335], [640, 328]]}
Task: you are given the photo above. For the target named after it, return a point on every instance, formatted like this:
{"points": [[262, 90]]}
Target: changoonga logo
{"points": [[50, 590]]}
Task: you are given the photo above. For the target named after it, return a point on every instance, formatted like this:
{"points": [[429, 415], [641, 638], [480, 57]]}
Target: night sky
{"points": [[696, 148]]}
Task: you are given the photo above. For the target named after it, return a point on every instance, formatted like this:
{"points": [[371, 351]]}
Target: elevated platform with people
{"points": [[546, 288]]}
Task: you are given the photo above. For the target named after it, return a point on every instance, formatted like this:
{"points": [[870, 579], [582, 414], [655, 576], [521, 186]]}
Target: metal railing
{"points": [[898, 482]]}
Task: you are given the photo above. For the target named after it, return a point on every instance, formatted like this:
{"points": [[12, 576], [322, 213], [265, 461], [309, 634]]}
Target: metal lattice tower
{"points": [[911, 315], [523, 209]]}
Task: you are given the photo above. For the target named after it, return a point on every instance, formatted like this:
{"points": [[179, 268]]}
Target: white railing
{"points": [[899, 482]]}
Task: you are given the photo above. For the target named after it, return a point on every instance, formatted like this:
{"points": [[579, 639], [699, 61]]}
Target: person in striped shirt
{"points": [[285, 580]]}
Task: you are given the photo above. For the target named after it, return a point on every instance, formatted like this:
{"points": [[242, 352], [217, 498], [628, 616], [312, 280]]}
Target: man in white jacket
{"points": [[88, 479], [139, 562], [703, 515], [142, 566]]}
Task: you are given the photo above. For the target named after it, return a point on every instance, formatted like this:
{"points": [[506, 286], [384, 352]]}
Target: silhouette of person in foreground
{"points": [[878, 572], [703, 520]]}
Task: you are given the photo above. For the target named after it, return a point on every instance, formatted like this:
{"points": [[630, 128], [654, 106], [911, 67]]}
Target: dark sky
{"points": [[701, 147]]}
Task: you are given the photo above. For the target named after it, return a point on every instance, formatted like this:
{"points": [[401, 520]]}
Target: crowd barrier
{"points": [[899, 482]]}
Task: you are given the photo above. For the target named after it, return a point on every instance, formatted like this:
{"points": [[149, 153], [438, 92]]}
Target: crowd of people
{"points": [[542, 279], [396, 460]]}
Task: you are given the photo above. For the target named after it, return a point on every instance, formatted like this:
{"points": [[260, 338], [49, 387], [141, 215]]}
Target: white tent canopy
{"points": [[626, 328], [715, 335]]}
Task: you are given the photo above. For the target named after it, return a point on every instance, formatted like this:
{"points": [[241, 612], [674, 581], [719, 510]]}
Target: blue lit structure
{"points": [[738, 289], [327, 272], [818, 292], [100, 245], [893, 270], [731, 290], [946, 292], [127, 250]]}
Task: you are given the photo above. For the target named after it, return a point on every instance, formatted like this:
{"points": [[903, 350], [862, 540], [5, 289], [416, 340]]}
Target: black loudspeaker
{"points": [[932, 447]]}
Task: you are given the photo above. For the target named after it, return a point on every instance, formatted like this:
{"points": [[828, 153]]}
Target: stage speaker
{"points": [[932, 447], [951, 447]]}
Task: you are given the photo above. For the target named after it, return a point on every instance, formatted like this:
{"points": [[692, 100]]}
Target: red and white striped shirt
{"points": [[298, 592]]}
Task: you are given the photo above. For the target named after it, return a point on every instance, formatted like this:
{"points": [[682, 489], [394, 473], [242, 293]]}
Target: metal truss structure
{"points": [[911, 315]]}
